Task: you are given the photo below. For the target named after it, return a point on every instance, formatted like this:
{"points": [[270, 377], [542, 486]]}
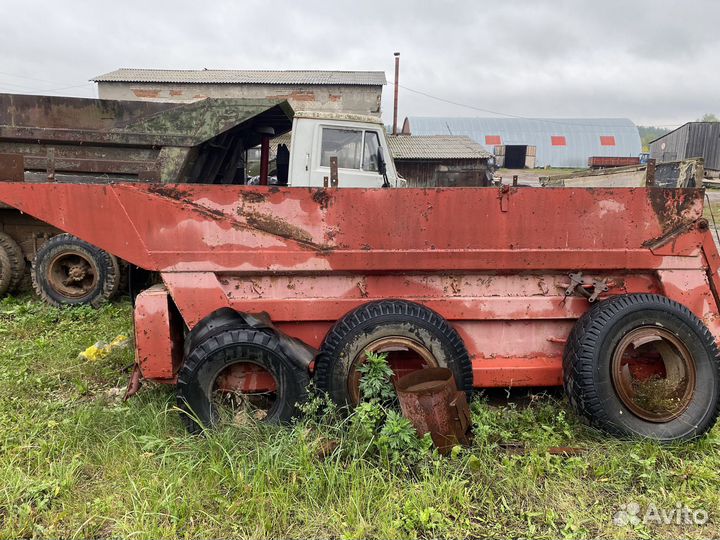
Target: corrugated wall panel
{"points": [[582, 136], [704, 142]]}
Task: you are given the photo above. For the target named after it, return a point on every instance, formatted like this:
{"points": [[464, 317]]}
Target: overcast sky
{"points": [[656, 62]]}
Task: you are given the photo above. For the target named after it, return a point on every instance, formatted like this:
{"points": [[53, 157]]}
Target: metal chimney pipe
{"points": [[395, 107]]}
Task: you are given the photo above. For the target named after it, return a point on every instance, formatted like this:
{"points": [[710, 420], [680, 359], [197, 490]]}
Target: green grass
{"points": [[75, 461]]}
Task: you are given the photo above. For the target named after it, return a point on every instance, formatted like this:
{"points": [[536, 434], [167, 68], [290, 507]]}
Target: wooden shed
{"points": [[441, 161]]}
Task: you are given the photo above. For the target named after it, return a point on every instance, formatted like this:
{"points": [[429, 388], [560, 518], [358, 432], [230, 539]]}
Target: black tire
{"points": [[218, 321], [16, 261], [357, 330], [123, 277], [94, 290], [5, 273], [206, 360], [118, 272], [588, 367]]}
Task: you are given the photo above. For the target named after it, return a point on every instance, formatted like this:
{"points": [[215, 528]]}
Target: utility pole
{"points": [[397, 82]]}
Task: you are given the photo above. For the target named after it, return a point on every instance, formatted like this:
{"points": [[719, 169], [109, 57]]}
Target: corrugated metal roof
{"points": [[238, 76], [436, 147], [582, 135]]}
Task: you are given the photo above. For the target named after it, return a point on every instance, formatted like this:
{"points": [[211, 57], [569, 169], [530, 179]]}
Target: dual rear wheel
{"points": [[230, 364], [634, 365], [65, 271], [236, 375], [12, 264]]}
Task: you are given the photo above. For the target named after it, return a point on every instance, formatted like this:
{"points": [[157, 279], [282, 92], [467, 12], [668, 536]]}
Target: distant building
{"points": [[440, 161], [691, 140], [526, 142], [333, 91]]}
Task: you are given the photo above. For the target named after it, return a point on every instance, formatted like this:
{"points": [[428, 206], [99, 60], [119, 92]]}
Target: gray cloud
{"points": [[653, 61]]}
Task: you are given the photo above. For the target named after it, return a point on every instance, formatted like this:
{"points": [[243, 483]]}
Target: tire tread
{"points": [[578, 359], [333, 341]]}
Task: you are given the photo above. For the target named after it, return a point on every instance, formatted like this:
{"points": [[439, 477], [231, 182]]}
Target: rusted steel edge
{"points": [[670, 235], [134, 384], [712, 259]]}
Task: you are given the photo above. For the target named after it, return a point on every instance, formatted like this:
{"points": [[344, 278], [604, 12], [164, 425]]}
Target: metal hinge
{"points": [[577, 284]]}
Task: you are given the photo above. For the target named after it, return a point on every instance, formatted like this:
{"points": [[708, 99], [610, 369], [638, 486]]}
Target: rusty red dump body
{"points": [[495, 263]]}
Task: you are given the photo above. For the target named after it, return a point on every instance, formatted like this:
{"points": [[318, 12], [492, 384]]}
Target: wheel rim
{"points": [[404, 356], [653, 374], [243, 391], [73, 274]]}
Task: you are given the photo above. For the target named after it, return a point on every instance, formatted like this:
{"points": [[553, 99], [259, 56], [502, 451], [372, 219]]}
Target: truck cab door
{"points": [[357, 152]]}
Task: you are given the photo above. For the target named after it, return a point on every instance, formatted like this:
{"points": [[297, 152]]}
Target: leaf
{"points": [[474, 464]]}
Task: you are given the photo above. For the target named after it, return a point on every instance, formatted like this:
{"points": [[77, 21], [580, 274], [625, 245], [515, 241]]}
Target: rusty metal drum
{"points": [[429, 398]]}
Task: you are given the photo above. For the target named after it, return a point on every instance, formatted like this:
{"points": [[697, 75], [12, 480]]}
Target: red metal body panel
{"points": [[158, 342], [495, 263]]}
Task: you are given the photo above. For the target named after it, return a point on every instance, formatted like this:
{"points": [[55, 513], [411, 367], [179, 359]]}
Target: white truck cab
{"points": [[358, 142]]}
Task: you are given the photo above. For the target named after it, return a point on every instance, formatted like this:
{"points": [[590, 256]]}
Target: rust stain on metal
{"points": [[323, 198], [671, 206], [252, 196], [279, 227], [677, 212], [262, 222], [178, 195], [331, 233], [668, 236]]}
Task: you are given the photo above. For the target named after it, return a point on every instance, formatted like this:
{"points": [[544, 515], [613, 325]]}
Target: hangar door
{"points": [[515, 156]]}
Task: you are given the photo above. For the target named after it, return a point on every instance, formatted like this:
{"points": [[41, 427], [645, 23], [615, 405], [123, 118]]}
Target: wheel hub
{"points": [[653, 374], [72, 274], [242, 391], [76, 273], [404, 355]]}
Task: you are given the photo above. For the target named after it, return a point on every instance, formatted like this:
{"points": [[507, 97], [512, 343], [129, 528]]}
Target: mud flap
{"points": [[158, 329]]}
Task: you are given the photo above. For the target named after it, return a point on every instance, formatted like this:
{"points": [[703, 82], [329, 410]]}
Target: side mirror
{"points": [[382, 166]]}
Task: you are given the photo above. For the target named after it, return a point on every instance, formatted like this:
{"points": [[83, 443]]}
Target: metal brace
{"points": [[599, 287], [575, 281], [334, 181]]}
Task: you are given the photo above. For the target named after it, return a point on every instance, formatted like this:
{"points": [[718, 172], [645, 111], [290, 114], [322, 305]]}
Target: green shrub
{"points": [[376, 422]]}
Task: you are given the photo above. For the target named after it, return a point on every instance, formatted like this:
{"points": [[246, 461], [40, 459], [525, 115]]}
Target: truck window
{"points": [[346, 144], [370, 154]]}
